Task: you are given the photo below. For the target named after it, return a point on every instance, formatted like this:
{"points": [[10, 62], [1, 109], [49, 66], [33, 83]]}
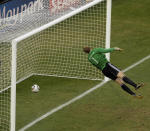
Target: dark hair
{"points": [[86, 49]]}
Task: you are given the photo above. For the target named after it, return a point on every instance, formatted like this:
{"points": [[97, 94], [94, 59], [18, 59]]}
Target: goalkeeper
{"points": [[97, 58]]}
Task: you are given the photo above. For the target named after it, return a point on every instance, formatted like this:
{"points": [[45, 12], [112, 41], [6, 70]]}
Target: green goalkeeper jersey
{"points": [[98, 58]]}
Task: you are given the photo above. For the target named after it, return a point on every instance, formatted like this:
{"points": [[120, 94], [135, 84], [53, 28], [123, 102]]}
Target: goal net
{"points": [[46, 37]]}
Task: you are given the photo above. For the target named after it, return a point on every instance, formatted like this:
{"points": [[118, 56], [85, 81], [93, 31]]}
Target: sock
{"points": [[125, 88], [127, 80]]}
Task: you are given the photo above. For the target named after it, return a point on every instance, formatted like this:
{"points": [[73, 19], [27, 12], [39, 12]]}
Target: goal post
{"points": [[13, 86], [108, 29], [47, 39]]}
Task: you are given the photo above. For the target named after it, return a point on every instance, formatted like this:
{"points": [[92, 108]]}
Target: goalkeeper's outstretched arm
{"points": [[102, 50]]}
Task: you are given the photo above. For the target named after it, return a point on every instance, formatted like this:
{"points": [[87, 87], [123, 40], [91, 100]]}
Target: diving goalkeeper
{"points": [[97, 57]]}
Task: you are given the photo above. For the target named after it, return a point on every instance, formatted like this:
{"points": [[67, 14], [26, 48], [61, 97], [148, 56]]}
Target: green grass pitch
{"points": [[108, 108]]}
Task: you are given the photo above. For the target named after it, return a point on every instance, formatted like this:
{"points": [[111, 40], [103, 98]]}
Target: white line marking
{"points": [[137, 63], [78, 97], [61, 106]]}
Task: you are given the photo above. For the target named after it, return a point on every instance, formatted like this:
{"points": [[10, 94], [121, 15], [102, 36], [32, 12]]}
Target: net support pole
{"points": [[13, 86], [108, 29]]}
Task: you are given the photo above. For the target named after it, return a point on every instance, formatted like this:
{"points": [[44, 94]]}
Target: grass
{"points": [[50, 95], [108, 108]]}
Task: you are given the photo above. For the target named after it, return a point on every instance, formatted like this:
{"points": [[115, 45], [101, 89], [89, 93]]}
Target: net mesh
{"points": [[58, 50], [5, 64], [35, 15]]}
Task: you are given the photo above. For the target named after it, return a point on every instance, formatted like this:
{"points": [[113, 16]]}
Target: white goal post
{"points": [[47, 39]]}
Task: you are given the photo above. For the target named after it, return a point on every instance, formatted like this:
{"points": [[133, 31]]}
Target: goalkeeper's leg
{"points": [[129, 81], [124, 87]]}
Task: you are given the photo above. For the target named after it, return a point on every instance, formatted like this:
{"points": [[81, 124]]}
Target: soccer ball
{"points": [[35, 88]]}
